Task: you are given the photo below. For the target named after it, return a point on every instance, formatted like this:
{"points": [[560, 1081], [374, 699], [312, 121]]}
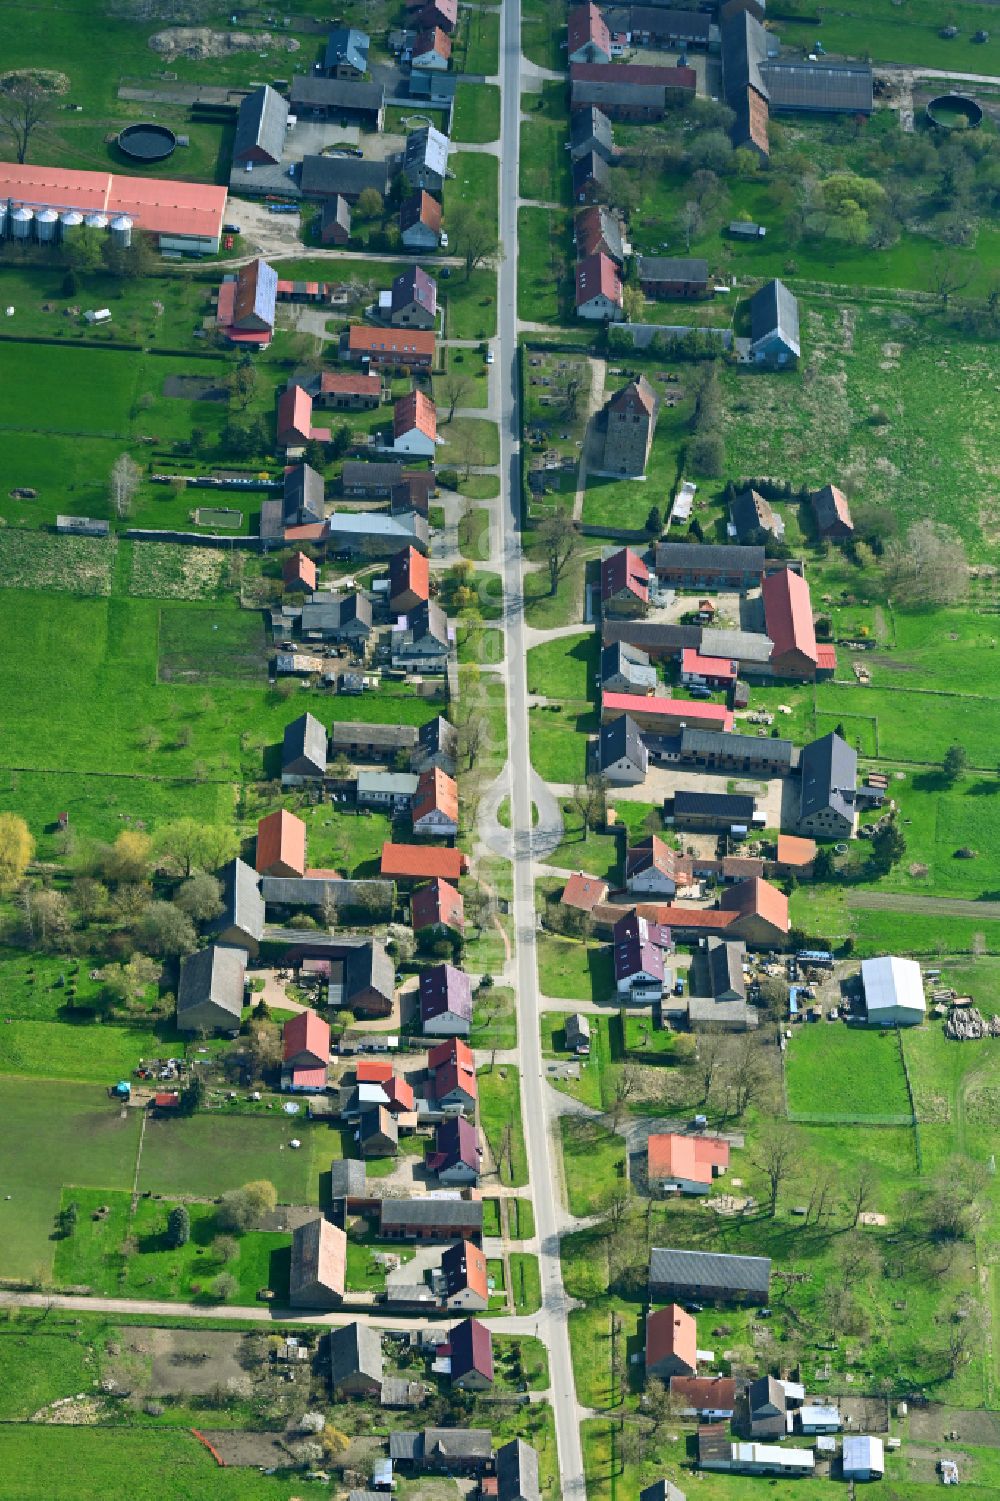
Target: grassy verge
{"points": [[500, 1108]]}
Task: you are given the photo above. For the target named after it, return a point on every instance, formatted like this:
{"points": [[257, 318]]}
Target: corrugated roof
{"points": [[707, 1269], [826, 87], [774, 310], [261, 122]]}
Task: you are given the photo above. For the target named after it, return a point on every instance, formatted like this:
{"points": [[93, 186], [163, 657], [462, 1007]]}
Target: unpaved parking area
{"points": [[936, 1424], [186, 1362]]}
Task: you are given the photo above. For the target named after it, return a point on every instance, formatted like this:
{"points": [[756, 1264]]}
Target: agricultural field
{"points": [[842, 1073]]}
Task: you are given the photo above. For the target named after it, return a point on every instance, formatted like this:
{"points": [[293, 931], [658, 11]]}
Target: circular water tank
{"points": [[121, 231], [147, 142], [47, 225], [71, 221], [21, 221], [96, 221]]}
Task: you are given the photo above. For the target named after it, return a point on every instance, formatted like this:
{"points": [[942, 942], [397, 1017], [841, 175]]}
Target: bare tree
{"points": [[692, 221], [709, 1058], [472, 732], [124, 482], [927, 566], [473, 237], [589, 802], [862, 1191], [747, 1075], [626, 1086], [25, 103], [948, 275], [775, 1157], [454, 388], [560, 543]]}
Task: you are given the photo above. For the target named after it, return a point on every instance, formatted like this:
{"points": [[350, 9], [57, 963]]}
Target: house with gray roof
{"points": [[372, 534], [710, 1276], [356, 1361], [672, 276], [422, 644], [437, 747], [303, 500], [241, 921], [774, 327], [590, 130], [261, 123], [725, 970], [303, 751], [822, 87], [348, 176], [313, 97], [425, 158], [753, 519], [371, 742], [346, 54], [829, 770], [622, 754], [391, 790], [211, 990], [369, 980], [626, 669], [747, 755], [431, 1218], [708, 565], [517, 1472], [338, 617]]}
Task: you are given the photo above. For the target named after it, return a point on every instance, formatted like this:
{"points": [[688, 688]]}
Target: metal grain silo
{"points": [[121, 231], [21, 221], [4, 217], [47, 225], [96, 221], [71, 221]]}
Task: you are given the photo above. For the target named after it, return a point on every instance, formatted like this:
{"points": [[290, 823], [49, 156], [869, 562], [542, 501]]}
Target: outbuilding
{"points": [[894, 992]]}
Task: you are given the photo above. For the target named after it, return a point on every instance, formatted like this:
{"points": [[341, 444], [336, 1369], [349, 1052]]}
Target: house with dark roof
{"points": [[470, 1350], [369, 985], [709, 1276], [832, 513], [211, 990], [622, 754], [425, 159], [626, 669], [319, 1265], [671, 1343], [412, 492], [624, 581], [748, 755], [517, 1472], [725, 970], [241, 921], [413, 299], [364, 481], [335, 221], [630, 421], [437, 745], [766, 1406], [753, 519], [590, 131], [378, 1134], [576, 1034], [774, 327], [461, 1451], [596, 229], [445, 1002], [670, 276], [452, 1071], [355, 1361], [431, 1217], [245, 311], [343, 176], [261, 122], [371, 742], [313, 97], [420, 221], [640, 973], [829, 771], [708, 565], [338, 617], [662, 1490], [744, 49], [303, 501], [598, 290], [656, 26], [589, 178], [821, 88], [712, 812], [422, 643], [426, 14], [457, 1155], [346, 54], [303, 751]]}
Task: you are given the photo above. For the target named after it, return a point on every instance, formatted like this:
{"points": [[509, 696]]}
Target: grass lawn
{"points": [[545, 168], [480, 34], [469, 302], [845, 1072], [584, 849], [566, 668], [208, 1154], [472, 440], [559, 742], [55, 1135], [476, 116], [594, 1163], [574, 971], [500, 1106], [347, 842], [522, 1224], [543, 28], [545, 265], [88, 1051], [627, 503], [364, 1273], [476, 487], [494, 1018], [593, 1072], [543, 609], [474, 533], [639, 819], [526, 1282], [475, 181], [521, 1358], [93, 1255]]}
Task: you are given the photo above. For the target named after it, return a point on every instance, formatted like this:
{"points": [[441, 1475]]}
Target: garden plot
{"points": [[198, 645], [35, 560]]}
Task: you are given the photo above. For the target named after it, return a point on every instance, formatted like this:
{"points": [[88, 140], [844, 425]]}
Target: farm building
{"points": [[517, 1472], [894, 992], [319, 1265], [829, 768], [470, 1346], [863, 1458], [685, 1164], [709, 1275], [355, 1361], [671, 1343], [211, 990], [624, 759]]}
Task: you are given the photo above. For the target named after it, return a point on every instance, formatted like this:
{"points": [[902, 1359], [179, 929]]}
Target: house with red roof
{"points": [[712, 1398], [414, 425], [298, 574], [589, 40], [470, 1351], [281, 845], [409, 580], [832, 513], [295, 424], [437, 907], [671, 1343], [712, 672], [434, 810], [684, 1164], [306, 1054], [788, 620], [584, 892], [650, 868], [420, 222], [432, 49], [759, 913], [399, 1096], [390, 348], [624, 584], [599, 290], [372, 1071], [415, 862], [463, 1267], [347, 391], [666, 716], [795, 856]]}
